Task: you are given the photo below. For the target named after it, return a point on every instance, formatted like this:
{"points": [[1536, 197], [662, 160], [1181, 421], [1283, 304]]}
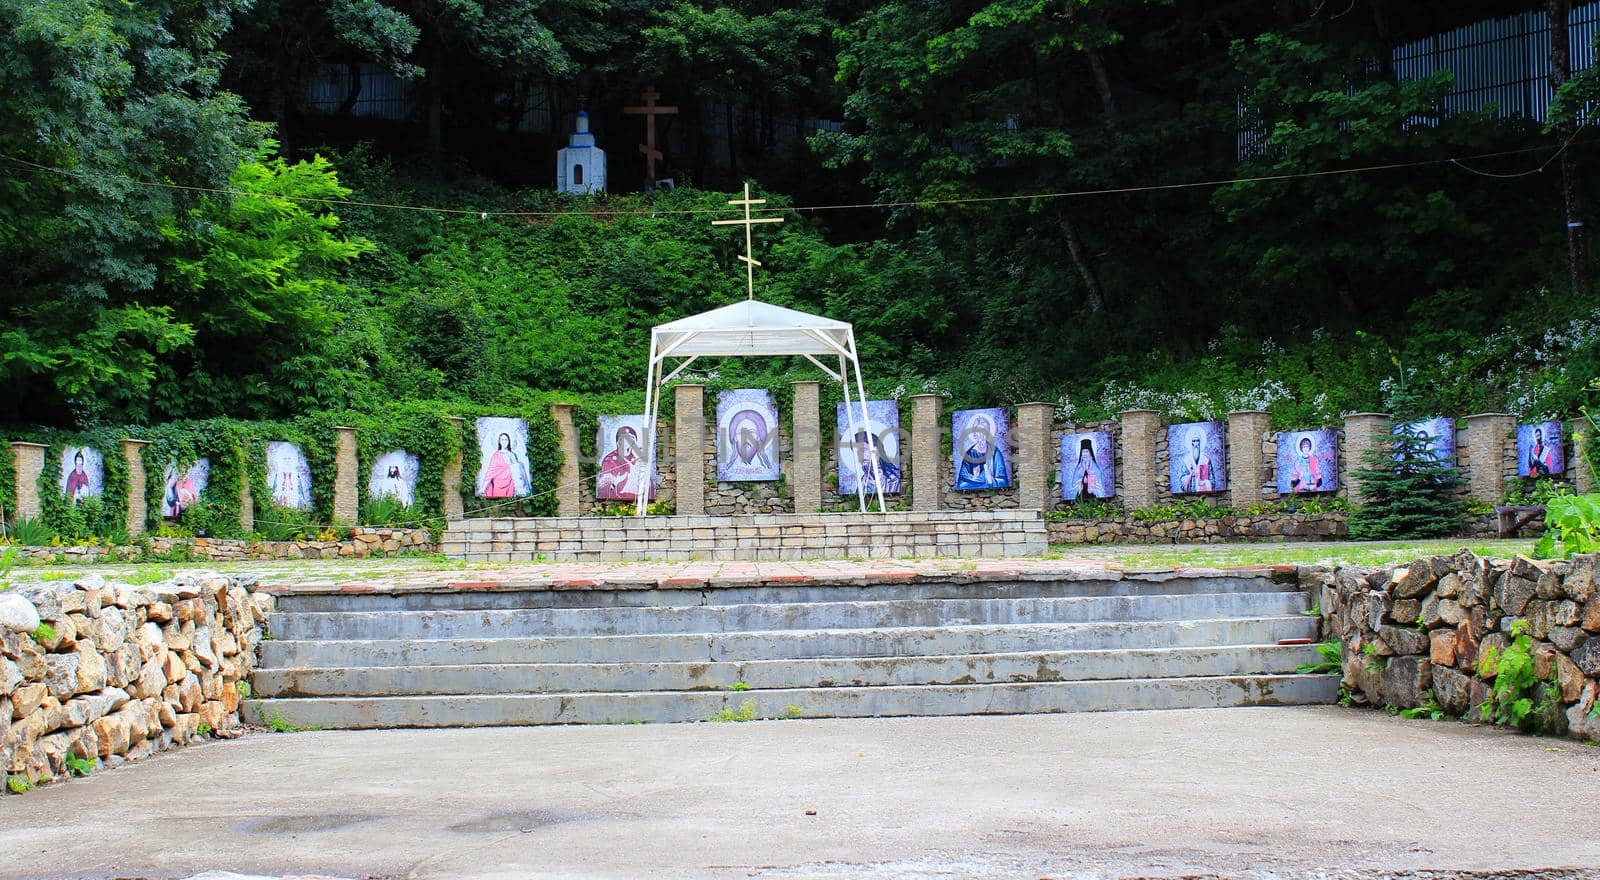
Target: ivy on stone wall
{"points": [[318, 442], [102, 517], [420, 428], [544, 462], [223, 442], [8, 483]]}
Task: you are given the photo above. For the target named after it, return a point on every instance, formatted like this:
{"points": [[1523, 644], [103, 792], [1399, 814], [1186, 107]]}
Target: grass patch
{"points": [[275, 723], [745, 712], [738, 686], [44, 633], [18, 785]]}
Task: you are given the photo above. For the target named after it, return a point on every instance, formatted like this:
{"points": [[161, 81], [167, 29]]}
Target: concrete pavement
{"points": [[1263, 792]]}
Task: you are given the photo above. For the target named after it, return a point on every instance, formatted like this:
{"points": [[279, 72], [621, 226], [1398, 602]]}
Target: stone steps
{"points": [[413, 658], [799, 644], [769, 674], [510, 596], [838, 702], [645, 620]]}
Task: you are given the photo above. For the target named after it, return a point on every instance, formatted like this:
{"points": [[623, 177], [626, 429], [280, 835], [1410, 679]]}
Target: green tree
{"points": [[255, 273], [109, 98]]}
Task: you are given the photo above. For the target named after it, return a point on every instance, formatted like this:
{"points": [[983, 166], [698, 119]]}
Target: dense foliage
{"points": [[268, 280]]}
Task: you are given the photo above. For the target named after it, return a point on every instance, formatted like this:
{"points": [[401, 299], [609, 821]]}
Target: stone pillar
{"points": [[689, 448], [28, 464], [1488, 435], [1362, 433], [346, 500], [1246, 470], [133, 454], [1141, 434], [1582, 474], [247, 504], [451, 477], [568, 496], [806, 480], [1033, 455], [925, 458]]}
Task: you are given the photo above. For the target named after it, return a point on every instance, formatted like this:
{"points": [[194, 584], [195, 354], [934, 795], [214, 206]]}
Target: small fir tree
{"points": [[1409, 491]]}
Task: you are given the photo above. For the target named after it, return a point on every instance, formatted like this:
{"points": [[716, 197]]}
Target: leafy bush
{"points": [[1196, 508], [386, 510], [628, 508], [1522, 491], [275, 523], [30, 532], [1512, 696], [1084, 508], [1332, 653], [1572, 525]]}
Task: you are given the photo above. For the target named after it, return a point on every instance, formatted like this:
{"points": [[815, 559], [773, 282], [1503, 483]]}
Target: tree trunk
{"points": [[352, 91], [1571, 172], [1102, 83], [1080, 258]]}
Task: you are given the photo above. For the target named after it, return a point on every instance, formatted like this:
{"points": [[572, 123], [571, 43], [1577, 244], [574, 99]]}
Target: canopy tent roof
{"points": [[751, 328]]}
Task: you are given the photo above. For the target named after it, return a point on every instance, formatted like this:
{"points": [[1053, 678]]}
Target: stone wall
{"points": [[750, 537], [1436, 628], [1272, 527], [111, 672], [363, 541]]}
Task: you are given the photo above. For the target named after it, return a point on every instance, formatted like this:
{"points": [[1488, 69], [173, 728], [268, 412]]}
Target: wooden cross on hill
{"points": [[650, 111], [749, 257]]}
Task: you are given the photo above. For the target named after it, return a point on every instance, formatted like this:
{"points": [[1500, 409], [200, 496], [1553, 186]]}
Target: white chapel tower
{"points": [[580, 165]]}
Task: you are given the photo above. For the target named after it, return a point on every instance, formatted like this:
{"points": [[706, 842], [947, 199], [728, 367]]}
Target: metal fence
{"points": [[1499, 65]]}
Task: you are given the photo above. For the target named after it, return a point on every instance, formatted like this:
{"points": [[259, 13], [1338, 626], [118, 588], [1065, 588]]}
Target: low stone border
{"points": [[1130, 530], [363, 542], [106, 672]]}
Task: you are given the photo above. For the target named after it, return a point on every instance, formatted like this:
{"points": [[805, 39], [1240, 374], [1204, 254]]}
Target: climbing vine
{"points": [[102, 517], [222, 442], [420, 428]]}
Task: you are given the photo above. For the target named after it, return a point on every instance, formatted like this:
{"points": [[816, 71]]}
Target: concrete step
{"points": [[794, 644], [769, 674], [837, 702], [774, 617], [1165, 584]]}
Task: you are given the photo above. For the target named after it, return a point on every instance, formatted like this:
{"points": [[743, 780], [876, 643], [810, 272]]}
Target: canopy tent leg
{"points": [[850, 420], [872, 449], [651, 399]]}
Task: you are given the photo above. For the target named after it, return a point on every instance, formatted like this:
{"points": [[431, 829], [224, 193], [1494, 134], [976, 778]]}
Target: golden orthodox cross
{"points": [[650, 111], [749, 250]]}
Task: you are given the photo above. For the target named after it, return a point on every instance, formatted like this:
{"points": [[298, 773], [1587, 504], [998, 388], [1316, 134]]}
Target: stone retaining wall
{"points": [[750, 537], [1437, 627], [362, 542], [117, 672], [1263, 527], [1128, 530]]}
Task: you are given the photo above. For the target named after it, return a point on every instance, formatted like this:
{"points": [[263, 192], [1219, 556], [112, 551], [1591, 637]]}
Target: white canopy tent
{"points": [[756, 329]]}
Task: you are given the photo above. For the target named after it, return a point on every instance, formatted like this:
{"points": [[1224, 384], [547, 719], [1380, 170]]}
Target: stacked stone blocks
{"points": [[750, 537]]}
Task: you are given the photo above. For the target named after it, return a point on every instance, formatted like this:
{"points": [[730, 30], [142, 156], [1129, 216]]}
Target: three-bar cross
{"points": [[749, 250]]}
